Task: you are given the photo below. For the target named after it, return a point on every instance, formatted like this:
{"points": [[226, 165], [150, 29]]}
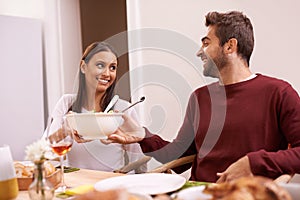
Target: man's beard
{"points": [[214, 65]]}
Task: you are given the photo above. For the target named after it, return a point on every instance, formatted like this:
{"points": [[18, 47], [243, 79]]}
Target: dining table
{"points": [[77, 178], [91, 177]]}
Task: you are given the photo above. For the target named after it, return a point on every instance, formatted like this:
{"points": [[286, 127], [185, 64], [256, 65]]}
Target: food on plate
{"points": [[248, 188], [26, 170]]}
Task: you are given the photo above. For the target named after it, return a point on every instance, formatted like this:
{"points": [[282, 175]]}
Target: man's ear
{"points": [[83, 67], [231, 46]]}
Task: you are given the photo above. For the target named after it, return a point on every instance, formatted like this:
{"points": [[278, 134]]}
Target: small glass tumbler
{"points": [[8, 179]]}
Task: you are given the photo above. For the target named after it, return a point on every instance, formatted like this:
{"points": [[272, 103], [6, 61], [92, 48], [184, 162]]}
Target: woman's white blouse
{"points": [[96, 155]]}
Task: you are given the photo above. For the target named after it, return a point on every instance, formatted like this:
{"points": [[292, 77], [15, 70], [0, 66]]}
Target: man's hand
{"points": [[236, 170], [129, 132]]}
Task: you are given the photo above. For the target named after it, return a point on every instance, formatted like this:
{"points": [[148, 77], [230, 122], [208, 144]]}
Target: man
{"points": [[239, 126]]}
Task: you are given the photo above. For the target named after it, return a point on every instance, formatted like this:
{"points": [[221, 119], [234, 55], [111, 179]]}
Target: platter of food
{"points": [[254, 187]]}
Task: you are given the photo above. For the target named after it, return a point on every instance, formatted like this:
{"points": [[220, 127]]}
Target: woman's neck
{"points": [[93, 101], [98, 99]]}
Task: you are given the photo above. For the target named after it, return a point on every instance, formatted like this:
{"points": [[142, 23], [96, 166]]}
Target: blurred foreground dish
{"points": [[248, 188], [115, 194]]}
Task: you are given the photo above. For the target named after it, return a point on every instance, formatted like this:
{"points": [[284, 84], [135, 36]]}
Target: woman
{"points": [[97, 79]]}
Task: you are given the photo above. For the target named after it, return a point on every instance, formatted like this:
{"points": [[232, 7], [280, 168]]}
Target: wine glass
{"points": [[60, 139]]}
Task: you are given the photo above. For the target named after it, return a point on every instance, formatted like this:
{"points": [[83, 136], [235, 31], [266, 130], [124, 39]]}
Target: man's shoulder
{"points": [[270, 81], [206, 88]]}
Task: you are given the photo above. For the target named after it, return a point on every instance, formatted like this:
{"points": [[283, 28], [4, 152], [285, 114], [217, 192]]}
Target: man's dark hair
{"points": [[236, 25]]}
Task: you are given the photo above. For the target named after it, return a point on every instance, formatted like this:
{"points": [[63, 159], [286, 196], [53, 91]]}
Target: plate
{"points": [[149, 183], [193, 193]]}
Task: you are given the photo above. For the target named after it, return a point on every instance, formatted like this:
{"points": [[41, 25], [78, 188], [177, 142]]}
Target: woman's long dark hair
{"points": [[89, 52]]}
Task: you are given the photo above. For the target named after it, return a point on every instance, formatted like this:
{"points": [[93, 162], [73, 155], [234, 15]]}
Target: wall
{"points": [[59, 54], [276, 37], [21, 102], [166, 35], [62, 47], [61, 38], [101, 26], [30, 8]]}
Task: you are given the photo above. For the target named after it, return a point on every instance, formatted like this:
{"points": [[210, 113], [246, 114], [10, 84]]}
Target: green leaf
{"points": [[193, 184], [69, 169], [63, 195]]}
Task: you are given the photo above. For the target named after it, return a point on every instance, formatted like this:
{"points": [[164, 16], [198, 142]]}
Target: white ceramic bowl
{"points": [[93, 126]]}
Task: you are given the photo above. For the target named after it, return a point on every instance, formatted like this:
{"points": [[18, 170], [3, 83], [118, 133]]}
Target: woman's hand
{"points": [[128, 132], [78, 138], [236, 170]]}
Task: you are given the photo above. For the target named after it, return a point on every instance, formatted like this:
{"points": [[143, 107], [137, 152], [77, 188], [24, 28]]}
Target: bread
{"points": [[49, 168], [26, 170], [23, 171]]}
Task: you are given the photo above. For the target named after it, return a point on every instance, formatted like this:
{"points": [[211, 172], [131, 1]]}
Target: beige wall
{"points": [[57, 58], [21, 102], [61, 41], [29, 8], [276, 27], [101, 26]]}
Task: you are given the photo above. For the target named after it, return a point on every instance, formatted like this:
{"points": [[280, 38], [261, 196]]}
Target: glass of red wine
{"points": [[60, 139]]}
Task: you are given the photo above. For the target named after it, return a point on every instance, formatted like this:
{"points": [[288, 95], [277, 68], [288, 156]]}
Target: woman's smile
{"points": [[102, 81]]}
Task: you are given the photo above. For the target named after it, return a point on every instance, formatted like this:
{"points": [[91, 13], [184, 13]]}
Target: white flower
{"points": [[36, 151]]}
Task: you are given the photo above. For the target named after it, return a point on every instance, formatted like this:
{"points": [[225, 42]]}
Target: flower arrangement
{"points": [[36, 152], [39, 189]]}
